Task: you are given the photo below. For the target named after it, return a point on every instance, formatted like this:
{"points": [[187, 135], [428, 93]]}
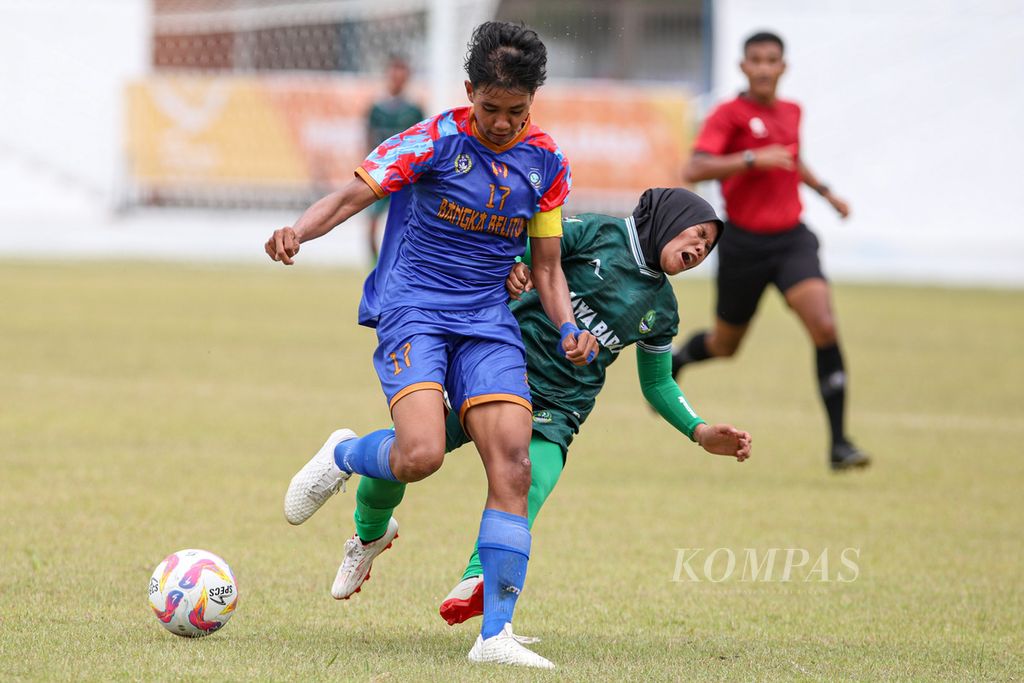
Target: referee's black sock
{"points": [[694, 350], [832, 384]]}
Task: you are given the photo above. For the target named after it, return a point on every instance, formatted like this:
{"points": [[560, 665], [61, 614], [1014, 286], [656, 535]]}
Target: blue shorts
{"points": [[477, 356]]}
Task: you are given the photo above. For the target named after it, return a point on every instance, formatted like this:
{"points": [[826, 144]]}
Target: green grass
{"points": [[147, 408]]}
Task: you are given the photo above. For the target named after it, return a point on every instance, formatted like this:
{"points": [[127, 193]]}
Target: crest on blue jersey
{"points": [[463, 163], [535, 177], [647, 322]]}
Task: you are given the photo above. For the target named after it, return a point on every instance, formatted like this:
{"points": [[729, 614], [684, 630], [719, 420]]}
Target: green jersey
{"points": [[391, 116], [616, 297]]}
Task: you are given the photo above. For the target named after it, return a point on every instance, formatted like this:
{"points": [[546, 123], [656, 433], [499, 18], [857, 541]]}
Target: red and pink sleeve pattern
{"points": [[401, 159]]}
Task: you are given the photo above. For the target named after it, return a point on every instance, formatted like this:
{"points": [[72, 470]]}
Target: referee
{"points": [[752, 145]]}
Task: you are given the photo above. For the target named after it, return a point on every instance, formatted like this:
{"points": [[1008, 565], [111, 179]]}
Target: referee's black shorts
{"points": [[749, 261]]}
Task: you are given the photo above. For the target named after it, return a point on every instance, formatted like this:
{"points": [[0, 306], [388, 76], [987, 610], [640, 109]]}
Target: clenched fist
{"points": [[283, 245]]}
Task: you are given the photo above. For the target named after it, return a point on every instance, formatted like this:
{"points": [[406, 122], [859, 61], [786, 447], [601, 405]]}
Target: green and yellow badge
{"points": [[647, 322]]}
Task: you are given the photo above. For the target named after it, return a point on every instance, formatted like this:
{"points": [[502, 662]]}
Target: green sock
{"points": [[376, 500], [547, 463]]}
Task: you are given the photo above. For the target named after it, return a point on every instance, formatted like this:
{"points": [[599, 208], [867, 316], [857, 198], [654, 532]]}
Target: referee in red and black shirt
{"points": [[752, 145]]}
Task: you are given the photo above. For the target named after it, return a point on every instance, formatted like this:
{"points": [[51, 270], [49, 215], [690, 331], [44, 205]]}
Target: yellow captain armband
{"points": [[546, 224]]}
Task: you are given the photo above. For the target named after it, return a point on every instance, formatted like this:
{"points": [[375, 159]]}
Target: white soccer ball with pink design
{"points": [[193, 593]]}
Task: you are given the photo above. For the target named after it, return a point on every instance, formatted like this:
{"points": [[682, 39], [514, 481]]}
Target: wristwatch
{"points": [[748, 158]]}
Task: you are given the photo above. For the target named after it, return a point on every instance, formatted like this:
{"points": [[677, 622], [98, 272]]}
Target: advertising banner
{"points": [[286, 139]]}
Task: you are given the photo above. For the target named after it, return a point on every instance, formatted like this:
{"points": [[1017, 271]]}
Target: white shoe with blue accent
{"points": [[318, 480]]}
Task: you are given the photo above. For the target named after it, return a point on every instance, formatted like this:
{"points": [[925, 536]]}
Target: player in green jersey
{"points": [[616, 270], [388, 116]]}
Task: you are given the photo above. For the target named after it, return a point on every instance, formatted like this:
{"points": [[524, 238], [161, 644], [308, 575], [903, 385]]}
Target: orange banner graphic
{"points": [[289, 138]]}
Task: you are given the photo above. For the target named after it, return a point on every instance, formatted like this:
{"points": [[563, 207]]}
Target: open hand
{"points": [[723, 439]]}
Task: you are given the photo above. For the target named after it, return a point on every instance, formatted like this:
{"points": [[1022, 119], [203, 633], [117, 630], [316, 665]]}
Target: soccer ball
{"points": [[193, 593]]}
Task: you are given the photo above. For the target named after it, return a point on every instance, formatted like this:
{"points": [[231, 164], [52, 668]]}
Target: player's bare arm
{"points": [[549, 280], [723, 439], [812, 181], [319, 219], [704, 166]]}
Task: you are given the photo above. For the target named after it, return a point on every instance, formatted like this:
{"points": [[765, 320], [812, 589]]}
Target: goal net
{"points": [[264, 103], [260, 103]]}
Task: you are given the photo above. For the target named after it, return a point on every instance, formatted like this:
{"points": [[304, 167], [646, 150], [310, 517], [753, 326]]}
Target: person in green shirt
{"points": [[617, 272], [389, 116]]}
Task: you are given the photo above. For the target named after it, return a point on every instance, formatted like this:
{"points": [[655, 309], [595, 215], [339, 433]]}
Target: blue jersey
{"points": [[461, 208]]}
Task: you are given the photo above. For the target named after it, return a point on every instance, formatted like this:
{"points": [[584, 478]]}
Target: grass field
{"points": [[149, 408]]}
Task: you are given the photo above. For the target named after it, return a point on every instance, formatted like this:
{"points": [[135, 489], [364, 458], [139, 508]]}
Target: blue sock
{"points": [[368, 455], [504, 544]]}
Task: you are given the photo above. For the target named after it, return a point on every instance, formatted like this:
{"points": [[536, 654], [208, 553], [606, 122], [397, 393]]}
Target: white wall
{"points": [[65, 63], [913, 111]]}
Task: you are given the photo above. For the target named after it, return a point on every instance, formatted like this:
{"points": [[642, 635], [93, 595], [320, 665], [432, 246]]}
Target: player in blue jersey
{"points": [[467, 186], [617, 270]]}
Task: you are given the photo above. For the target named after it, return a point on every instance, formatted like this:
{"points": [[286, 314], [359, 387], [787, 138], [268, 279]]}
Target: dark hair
{"points": [[506, 55], [763, 37]]}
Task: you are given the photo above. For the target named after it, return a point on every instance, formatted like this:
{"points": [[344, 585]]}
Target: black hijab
{"points": [[663, 213]]}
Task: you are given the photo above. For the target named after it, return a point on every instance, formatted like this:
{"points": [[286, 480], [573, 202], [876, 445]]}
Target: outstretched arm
{"points": [[319, 219], [664, 395]]}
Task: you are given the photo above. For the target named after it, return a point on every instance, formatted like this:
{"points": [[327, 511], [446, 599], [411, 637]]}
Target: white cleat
{"points": [[359, 556], [506, 648], [318, 480]]}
